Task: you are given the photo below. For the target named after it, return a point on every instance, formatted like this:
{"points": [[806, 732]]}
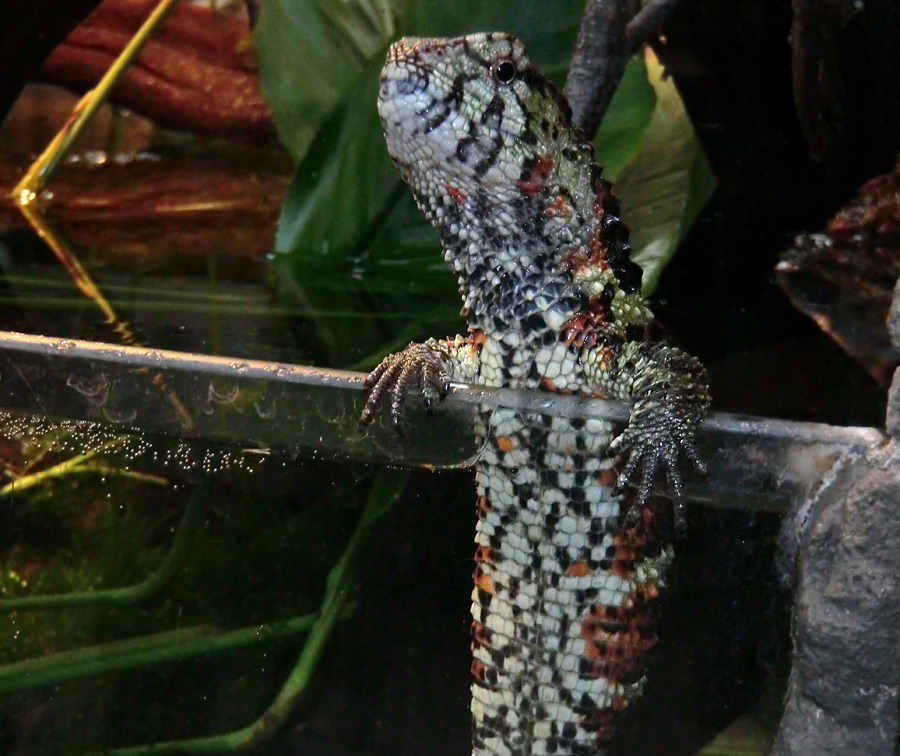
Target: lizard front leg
{"points": [[430, 366], [669, 396]]}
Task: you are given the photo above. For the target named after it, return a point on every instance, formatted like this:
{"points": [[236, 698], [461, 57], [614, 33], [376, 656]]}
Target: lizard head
{"points": [[487, 146], [471, 122]]}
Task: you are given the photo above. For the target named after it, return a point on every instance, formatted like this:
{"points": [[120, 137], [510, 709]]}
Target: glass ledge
{"points": [[309, 412]]}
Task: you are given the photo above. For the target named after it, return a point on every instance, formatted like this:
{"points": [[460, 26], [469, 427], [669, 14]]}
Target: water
{"points": [[236, 446]]}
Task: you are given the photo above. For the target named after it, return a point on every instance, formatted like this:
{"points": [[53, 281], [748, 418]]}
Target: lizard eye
{"points": [[504, 71]]}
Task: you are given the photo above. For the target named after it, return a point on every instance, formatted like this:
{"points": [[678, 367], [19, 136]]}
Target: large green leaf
{"points": [[619, 137], [310, 52], [666, 183], [549, 28], [344, 188], [349, 233], [351, 239], [345, 184]]}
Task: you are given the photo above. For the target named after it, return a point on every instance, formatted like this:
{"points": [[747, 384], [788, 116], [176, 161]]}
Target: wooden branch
{"points": [[598, 62]]}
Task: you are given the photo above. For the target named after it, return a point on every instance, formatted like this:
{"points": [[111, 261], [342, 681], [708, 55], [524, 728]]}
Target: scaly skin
{"points": [[567, 572]]}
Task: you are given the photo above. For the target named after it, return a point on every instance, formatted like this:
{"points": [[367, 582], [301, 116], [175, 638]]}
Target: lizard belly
{"points": [[562, 605]]}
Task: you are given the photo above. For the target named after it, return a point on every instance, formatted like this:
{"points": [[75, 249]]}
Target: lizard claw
{"points": [[424, 365], [656, 437]]}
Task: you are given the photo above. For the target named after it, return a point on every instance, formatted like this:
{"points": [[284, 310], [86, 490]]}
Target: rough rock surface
{"points": [[843, 690]]}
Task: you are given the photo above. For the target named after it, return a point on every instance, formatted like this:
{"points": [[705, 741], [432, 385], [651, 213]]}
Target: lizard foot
{"points": [[657, 436], [424, 365]]}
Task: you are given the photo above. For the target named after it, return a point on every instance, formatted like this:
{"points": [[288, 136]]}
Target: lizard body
{"points": [[567, 569]]}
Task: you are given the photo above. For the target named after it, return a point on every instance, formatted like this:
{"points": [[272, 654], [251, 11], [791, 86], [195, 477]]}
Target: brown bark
{"points": [[197, 73]]}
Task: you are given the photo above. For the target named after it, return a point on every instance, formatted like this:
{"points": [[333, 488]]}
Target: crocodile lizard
{"points": [[568, 562]]}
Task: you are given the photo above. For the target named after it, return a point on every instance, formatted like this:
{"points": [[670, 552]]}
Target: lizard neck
{"points": [[533, 254], [510, 275]]}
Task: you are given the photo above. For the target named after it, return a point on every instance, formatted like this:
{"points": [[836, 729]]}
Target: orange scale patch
{"points": [[597, 257], [573, 259], [551, 386], [478, 670], [457, 195], [623, 557], [582, 330], [558, 207], [483, 554], [476, 337], [618, 637], [479, 636], [536, 179], [505, 443], [578, 569], [607, 478], [619, 703], [577, 331], [482, 580]]}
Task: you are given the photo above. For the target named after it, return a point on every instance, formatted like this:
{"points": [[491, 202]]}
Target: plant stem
{"points": [[146, 650], [181, 546], [45, 166], [386, 488]]}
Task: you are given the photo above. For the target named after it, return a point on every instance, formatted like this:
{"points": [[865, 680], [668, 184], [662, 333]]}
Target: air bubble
{"points": [[120, 415], [95, 388], [223, 394], [265, 408], [128, 448]]}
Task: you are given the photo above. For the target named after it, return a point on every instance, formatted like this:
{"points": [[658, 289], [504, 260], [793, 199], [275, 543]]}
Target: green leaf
{"points": [[549, 29], [619, 137], [350, 239], [346, 199], [310, 52], [345, 183], [666, 183]]}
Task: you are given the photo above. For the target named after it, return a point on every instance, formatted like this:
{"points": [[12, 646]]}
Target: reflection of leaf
{"points": [[33, 473], [666, 184]]}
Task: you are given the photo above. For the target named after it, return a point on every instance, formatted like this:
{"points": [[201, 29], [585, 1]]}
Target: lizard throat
{"points": [[514, 289]]}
